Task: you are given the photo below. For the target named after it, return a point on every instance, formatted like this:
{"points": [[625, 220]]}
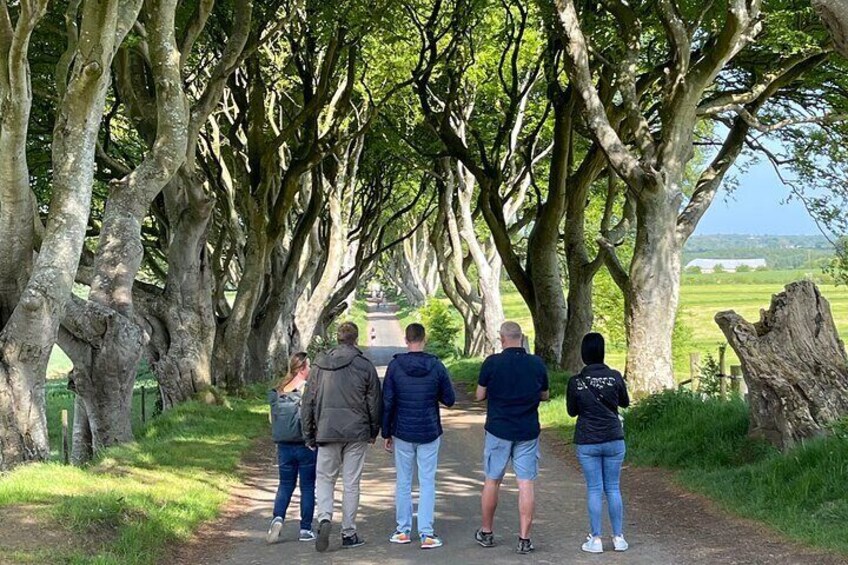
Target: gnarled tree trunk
{"points": [[28, 337], [794, 364]]}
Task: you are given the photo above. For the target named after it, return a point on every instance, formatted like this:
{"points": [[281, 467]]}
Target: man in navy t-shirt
{"points": [[514, 382]]}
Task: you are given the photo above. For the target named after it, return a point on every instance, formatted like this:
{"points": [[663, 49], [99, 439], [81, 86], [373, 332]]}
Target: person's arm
{"points": [[623, 396], [447, 395], [374, 399], [483, 382], [307, 409], [388, 402], [546, 390], [570, 398]]}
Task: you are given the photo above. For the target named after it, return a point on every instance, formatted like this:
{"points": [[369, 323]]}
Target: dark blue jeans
{"points": [[601, 465], [296, 460]]}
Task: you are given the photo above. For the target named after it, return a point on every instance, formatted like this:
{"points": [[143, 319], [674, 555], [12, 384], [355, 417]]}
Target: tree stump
{"points": [[794, 364]]}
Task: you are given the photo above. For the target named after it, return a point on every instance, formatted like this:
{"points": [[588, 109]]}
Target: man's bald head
{"points": [[511, 335]]}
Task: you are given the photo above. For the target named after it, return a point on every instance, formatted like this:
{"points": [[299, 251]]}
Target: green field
{"points": [[702, 296]]}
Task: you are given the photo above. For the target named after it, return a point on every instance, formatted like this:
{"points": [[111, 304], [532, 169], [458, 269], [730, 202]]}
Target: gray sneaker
{"points": [[485, 539], [274, 530], [306, 535], [524, 547]]}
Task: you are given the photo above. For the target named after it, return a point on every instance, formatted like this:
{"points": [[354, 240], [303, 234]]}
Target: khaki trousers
{"points": [[349, 458]]}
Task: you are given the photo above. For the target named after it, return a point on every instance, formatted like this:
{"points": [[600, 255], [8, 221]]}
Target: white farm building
{"points": [[709, 265]]}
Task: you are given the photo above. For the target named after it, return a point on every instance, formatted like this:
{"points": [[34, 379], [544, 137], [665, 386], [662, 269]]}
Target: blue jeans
{"points": [[296, 460], [426, 455], [601, 465]]}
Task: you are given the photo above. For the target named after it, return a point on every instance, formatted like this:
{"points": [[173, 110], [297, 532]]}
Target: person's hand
{"points": [[389, 445]]}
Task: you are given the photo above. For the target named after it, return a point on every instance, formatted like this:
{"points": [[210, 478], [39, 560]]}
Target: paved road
{"points": [[663, 526]]}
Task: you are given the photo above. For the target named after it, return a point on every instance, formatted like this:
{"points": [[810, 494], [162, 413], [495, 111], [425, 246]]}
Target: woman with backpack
{"points": [[294, 458], [594, 396]]}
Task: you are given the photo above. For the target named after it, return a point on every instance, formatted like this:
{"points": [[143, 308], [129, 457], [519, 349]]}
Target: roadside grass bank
{"points": [[800, 493], [135, 499]]}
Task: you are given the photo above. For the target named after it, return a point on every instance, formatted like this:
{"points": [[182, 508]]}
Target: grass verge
{"points": [[138, 497]]}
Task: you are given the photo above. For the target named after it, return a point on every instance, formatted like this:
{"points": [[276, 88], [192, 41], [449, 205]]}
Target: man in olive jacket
{"points": [[341, 417]]}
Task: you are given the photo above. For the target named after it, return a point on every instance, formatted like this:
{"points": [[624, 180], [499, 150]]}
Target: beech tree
{"points": [[696, 75], [30, 331]]}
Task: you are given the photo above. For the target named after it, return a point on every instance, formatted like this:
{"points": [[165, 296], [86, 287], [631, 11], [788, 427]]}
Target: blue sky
{"points": [[758, 206]]}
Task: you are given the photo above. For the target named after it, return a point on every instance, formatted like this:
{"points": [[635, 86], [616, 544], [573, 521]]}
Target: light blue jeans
{"points": [[601, 463], [426, 457]]}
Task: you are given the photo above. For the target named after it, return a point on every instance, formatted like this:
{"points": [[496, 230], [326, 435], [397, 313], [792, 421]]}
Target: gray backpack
{"points": [[285, 416]]}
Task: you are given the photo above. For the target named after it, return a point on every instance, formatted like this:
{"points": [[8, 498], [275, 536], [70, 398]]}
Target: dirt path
{"points": [[663, 523]]}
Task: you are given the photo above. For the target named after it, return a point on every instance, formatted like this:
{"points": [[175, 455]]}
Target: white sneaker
{"points": [[274, 531], [593, 545], [619, 543]]}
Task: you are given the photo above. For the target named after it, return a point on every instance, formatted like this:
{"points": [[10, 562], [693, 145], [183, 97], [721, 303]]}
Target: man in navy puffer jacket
{"points": [[416, 382]]}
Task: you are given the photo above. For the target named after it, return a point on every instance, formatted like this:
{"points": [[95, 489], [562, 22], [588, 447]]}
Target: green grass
{"points": [[138, 497]]}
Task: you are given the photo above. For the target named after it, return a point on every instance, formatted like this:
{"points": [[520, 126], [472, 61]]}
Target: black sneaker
{"points": [[352, 541], [525, 546], [485, 539], [323, 541]]}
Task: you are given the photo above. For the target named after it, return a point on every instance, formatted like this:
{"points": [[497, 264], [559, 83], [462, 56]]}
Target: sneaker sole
{"points": [[400, 542], [592, 550], [431, 546], [323, 541], [481, 544], [273, 535]]}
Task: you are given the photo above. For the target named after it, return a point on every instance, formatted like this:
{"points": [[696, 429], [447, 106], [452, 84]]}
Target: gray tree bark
{"points": [[114, 344], [794, 364], [28, 337]]}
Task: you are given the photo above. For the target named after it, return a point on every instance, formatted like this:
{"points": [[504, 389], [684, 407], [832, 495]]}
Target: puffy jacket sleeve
{"points": [[308, 416], [571, 397], [389, 402], [374, 399], [447, 395]]}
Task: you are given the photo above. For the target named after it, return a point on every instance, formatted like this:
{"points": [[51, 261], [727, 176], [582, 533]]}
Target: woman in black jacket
{"points": [[594, 397]]}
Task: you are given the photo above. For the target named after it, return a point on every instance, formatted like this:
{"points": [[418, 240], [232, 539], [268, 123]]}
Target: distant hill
{"points": [[779, 251]]}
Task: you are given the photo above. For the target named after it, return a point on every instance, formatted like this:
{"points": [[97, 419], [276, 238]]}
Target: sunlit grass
{"points": [[138, 497]]}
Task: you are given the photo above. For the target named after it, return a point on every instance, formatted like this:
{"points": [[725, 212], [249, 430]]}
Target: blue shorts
{"points": [[498, 452]]}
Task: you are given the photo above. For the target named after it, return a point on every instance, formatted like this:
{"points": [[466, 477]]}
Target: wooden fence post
{"points": [[722, 363], [66, 444], [736, 383], [143, 405], [695, 370]]}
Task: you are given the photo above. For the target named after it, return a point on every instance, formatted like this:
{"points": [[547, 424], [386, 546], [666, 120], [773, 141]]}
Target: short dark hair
{"points": [[415, 333], [348, 333]]}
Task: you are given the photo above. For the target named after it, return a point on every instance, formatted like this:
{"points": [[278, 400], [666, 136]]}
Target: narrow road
{"points": [[659, 521]]}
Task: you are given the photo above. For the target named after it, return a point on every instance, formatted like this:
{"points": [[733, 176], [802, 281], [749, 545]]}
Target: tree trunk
{"points": [[654, 294], [231, 342], [28, 337], [580, 319], [181, 320], [109, 328], [794, 364]]}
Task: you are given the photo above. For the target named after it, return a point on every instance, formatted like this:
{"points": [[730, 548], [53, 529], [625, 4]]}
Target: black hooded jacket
{"points": [[342, 402], [414, 386], [594, 396]]}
